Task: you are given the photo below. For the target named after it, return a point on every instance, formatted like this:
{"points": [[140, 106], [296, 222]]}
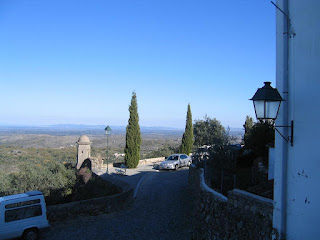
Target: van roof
{"points": [[20, 195], [34, 193]]}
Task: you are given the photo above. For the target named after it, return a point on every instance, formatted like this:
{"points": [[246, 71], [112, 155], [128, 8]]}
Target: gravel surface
{"points": [[160, 211]]}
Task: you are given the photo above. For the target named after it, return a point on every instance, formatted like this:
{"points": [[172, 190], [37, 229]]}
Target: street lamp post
{"points": [[107, 132]]}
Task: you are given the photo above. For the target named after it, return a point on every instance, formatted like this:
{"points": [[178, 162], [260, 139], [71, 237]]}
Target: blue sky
{"points": [[74, 61]]}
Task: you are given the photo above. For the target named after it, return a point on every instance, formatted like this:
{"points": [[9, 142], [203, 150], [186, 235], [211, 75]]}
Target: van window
{"points": [[23, 213], [21, 204]]}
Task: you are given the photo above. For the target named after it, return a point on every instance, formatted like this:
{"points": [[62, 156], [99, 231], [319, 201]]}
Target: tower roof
{"points": [[84, 140]]}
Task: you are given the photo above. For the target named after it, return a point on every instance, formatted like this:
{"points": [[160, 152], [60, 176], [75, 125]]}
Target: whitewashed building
{"points": [[297, 168]]}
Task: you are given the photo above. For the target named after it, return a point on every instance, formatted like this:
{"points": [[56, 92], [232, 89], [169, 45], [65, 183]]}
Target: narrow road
{"points": [[160, 211]]}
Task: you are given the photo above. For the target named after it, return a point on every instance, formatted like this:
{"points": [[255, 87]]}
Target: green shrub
{"points": [[260, 138], [165, 151], [52, 178], [48, 170]]}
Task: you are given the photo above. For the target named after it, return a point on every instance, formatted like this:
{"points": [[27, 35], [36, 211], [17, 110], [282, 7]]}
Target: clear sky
{"points": [[74, 61]]}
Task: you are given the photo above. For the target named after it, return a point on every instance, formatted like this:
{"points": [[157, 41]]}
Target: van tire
{"points": [[31, 234]]}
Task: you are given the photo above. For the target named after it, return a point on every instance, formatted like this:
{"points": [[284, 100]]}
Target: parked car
{"points": [[175, 161], [23, 215]]}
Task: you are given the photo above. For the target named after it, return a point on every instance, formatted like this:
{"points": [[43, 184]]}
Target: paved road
{"points": [[160, 211]]}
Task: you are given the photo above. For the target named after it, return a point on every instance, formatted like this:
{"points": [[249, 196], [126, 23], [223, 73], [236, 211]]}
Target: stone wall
{"points": [[98, 163], [151, 160], [94, 206], [241, 215]]}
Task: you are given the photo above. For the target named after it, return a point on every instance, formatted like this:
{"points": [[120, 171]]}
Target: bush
{"points": [[50, 171], [52, 178], [209, 132], [260, 138], [165, 151]]}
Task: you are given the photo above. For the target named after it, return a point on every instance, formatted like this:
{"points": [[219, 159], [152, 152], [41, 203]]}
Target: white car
{"points": [[175, 161]]}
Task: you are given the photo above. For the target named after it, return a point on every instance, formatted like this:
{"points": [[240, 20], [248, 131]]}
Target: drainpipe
{"points": [[284, 119]]}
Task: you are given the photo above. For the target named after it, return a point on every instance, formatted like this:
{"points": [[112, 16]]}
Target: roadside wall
{"points": [[93, 206], [241, 215], [151, 160]]}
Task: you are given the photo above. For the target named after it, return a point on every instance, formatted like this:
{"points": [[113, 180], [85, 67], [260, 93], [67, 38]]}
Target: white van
{"points": [[23, 215]]}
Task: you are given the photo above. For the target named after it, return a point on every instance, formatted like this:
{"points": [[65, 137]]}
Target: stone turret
{"points": [[84, 150]]}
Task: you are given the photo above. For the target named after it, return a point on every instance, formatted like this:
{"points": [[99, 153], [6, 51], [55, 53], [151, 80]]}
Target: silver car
{"points": [[175, 161]]}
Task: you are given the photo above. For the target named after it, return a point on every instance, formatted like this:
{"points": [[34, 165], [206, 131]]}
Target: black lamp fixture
{"points": [[266, 102]]}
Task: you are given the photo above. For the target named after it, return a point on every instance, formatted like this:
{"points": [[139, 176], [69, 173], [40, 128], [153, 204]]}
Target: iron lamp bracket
{"points": [[289, 138]]}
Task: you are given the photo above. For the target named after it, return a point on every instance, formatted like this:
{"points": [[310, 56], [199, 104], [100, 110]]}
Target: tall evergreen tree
{"points": [[187, 139], [133, 136], [248, 125]]}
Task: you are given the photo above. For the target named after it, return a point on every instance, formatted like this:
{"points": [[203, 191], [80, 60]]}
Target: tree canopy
{"points": [[209, 132], [247, 128], [260, 137], [133, 135]]}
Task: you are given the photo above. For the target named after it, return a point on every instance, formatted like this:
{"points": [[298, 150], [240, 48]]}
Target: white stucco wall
{"points": [[271, 163], [297, 182]]}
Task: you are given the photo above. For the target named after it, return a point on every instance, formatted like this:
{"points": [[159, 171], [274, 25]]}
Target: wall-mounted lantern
{"points": [[266, 102]]}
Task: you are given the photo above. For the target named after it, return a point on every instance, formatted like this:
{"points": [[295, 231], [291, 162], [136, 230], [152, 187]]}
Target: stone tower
{"points": [[83, 150]]}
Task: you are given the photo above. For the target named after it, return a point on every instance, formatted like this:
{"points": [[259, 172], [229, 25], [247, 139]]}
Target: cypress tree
{"points": [[248, 125], [187, 138], [133, 136]]}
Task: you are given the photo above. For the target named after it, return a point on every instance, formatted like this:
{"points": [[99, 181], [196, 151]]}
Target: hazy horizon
{"points": [[98, 125]]}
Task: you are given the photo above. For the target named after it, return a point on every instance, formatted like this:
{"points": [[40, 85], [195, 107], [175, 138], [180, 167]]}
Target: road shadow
{"points": [[135, 179]]}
